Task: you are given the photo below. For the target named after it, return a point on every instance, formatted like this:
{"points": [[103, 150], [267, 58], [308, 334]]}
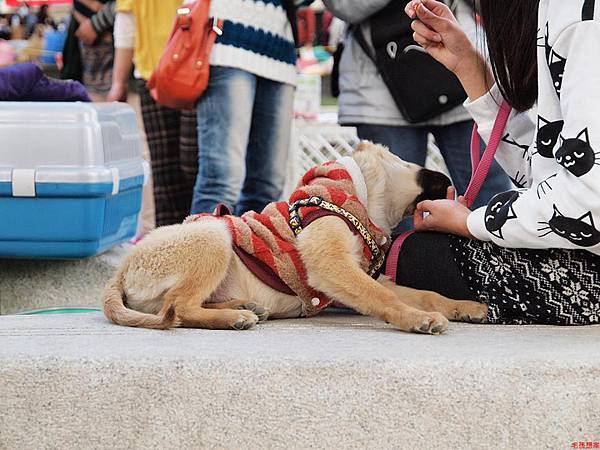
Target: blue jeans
{"points": [[454, 142], [244, 126]]}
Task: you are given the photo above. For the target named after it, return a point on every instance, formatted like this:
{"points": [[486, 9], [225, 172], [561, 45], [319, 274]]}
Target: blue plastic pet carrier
{"points": [[71, 178]]}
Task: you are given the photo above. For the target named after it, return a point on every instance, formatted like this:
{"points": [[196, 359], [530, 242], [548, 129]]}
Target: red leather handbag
{"points": [[183, 70]]}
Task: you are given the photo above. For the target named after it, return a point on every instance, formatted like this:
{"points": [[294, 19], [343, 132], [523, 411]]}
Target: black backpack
{"points": [[421, 87]]}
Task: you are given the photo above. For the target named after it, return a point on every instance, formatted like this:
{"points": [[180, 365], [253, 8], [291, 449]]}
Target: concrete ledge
{"points": [[75, 381], [34, 284]]}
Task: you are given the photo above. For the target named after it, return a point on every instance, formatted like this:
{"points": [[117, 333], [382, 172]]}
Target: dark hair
{"points": [[511, 34]]}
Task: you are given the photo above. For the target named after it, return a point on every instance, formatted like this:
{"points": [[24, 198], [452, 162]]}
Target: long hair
{"points": [[511, 33]]}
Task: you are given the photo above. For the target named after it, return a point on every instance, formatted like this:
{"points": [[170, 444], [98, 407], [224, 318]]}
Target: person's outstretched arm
{"points": [[439, 33], [124, 43]]}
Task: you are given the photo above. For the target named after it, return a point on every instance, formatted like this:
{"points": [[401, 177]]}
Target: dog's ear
{"points": [[364, 146]]}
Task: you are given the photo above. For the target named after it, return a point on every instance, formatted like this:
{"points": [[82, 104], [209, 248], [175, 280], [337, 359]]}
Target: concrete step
{"points": [[335, 381], [35, 284]]}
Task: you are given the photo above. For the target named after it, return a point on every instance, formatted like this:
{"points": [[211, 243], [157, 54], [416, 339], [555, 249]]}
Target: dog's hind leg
{"points": [[329, 252], [218, 319], [455, 310], [192, 313], [260, 311]]}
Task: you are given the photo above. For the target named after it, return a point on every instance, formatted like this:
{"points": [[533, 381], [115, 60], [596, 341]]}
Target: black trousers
{"points": [[521, 286]]}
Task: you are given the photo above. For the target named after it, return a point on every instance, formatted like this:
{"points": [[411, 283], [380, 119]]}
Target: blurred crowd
{"points": [[233, 148]]}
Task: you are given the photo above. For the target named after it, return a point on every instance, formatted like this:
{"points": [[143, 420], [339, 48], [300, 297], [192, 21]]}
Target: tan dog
{"points": [[188, 275]]}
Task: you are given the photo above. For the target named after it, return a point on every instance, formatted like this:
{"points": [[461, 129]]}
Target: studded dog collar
{"points": [[377, 253]]}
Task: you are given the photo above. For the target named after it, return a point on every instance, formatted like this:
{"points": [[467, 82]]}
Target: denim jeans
{"points": [[454, 142], [244, 126]]}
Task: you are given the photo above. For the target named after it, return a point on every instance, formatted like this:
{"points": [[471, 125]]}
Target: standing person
{"points": [[533, 253], [141, 31], [95, 19], [366, 103], [245, 115]]}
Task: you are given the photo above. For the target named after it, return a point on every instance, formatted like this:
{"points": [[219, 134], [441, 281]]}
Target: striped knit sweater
{"points": [[257, 37], [268, 237], [104, 20]]}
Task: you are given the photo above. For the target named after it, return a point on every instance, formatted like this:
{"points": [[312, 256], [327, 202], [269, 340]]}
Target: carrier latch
{"points": [[23, 182]]}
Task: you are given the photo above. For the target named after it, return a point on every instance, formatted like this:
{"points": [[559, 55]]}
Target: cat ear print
{"points": [[542, 120], [587, 136], [556, 211], [555, 58], [588, 219]]}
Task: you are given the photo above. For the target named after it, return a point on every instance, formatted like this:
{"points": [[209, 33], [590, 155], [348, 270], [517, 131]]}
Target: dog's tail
{"points": [[116, 311]]}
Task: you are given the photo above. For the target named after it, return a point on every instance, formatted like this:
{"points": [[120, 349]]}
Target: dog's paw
{"points": [[261, 312], [471, 312], [245, 320], [431, 323]]}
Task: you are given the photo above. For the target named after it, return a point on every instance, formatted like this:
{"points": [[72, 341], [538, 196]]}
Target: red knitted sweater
{"points": [[268, 237]]}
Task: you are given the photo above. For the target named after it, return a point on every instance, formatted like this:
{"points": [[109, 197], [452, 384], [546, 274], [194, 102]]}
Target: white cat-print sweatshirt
{"points": [[554, 163]]}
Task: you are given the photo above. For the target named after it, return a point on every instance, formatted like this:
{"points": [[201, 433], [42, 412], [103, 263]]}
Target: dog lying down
{"points": [[292, 260]]}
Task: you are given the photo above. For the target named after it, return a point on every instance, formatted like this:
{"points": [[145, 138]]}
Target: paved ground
{"points": [[36, 284], [75, 381]]}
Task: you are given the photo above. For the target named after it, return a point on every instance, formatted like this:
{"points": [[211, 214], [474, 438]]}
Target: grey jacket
{"points": [[364, 97]]}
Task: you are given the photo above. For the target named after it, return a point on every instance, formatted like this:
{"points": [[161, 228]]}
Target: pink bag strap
{"points": [[391, 265], [481, 167]]}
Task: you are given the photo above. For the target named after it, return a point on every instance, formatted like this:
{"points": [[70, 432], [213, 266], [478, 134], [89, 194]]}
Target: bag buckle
{"points": [[184, 18], [217, 26]]}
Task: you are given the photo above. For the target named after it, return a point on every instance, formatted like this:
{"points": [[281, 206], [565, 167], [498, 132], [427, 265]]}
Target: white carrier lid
{"points": [[69, 142]]}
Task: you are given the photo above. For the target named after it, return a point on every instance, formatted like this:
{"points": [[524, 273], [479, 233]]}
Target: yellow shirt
{"points": [[153, 24]]}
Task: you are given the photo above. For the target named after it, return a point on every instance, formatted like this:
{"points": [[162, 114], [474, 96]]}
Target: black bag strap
{"points": [[362, 41], [290, 10], [442, 90]]}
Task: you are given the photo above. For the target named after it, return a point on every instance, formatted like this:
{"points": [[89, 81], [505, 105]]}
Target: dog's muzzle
{"points": [[435, 184], [435, 187]]}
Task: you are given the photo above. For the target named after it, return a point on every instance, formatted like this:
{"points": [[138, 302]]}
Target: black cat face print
{"points": [[546, 41], [519, 180], [587, 12], [556, 63], [576, 155], [581, 231], [544, 187], [499, 211], [557, 68], [547, 137], [510, 141]]}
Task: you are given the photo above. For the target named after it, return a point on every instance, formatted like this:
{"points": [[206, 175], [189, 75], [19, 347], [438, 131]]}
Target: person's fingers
{"points": [[451, 193], [424, 222], [462, 200], [410, 8], [432, 20], [427, 33], [417, 219], [423, 42], [425, 206], [437, 7]]}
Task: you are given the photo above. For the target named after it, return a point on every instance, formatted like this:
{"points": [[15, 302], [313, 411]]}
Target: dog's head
{"points": [[395, 186]]}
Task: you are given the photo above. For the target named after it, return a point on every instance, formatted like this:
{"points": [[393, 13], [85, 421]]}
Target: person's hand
{"points": [[445, 216], [86, 33], [438, 32], [117, 93]]}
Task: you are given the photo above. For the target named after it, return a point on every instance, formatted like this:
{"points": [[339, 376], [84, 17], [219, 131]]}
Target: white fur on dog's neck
{"points": [[357, 178], [373, 181]]}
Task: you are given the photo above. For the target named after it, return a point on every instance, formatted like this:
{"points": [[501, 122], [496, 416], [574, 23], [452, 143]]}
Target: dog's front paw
{"points": [[245, 320], [431, 323], [468, 311], [261, 312]]}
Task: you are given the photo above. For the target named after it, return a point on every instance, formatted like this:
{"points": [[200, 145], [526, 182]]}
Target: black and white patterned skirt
{"points": [[522, 286]]}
